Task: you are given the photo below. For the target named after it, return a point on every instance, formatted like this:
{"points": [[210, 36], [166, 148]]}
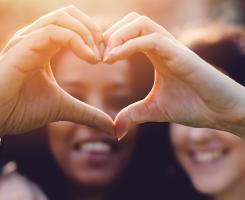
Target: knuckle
{"points": [[50, 28], [20, 31], [157, 37], [134, 14], [144, 19], [59, 15]]}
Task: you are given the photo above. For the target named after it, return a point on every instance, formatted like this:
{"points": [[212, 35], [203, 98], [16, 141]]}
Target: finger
{"points": [[137, 113], [130, 17], [12, 43], [63, 19], [138, 27], [85, 19], [39, 47], [154, 42], [79, 112]]}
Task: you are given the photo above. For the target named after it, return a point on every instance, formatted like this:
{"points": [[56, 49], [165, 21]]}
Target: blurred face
{"points": [[88, 156], [214, 160]]}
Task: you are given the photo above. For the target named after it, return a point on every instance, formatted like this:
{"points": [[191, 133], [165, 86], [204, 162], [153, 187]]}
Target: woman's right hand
{"points": [[30, 97], [187, 90]]}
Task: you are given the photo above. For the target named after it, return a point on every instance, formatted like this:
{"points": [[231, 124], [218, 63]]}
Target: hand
{"points": [[187, 90], [30, 97]]}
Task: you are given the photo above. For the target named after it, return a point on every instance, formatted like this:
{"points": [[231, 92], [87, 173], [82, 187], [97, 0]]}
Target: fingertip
{"points": [[105, 36], [110, 56], [121, 136], [97, 53], [106, 54], [110, 129], [90, 41], [121, 129]]}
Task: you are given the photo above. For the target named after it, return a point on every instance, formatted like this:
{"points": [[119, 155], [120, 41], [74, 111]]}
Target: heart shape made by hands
{"points": [[34, 98]]}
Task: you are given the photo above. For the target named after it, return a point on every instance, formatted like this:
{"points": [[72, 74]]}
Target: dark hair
{"points": [[223, 46]]}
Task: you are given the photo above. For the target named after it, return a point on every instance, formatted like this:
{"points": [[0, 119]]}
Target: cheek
{"points": [[59, 134], [237, 161], [177, 140], [179, 143]]}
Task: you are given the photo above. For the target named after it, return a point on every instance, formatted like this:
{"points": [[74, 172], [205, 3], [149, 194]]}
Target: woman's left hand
{"points": [[187, 90]]}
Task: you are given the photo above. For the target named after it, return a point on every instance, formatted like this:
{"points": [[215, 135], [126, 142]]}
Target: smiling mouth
{"points": [[207, 156], [99, 147]]}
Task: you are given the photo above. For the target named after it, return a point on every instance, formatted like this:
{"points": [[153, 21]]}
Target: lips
{"points": [[96, 149], [207, 156], [100, 147]]}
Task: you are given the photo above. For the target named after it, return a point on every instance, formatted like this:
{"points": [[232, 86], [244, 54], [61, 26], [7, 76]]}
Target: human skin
{"points": [[187, 90], [182, 78], [213, 160], [30, 97], [77, 148]]}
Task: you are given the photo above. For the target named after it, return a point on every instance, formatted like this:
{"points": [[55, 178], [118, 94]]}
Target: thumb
{"points": [[73, 110], [134, 114]]}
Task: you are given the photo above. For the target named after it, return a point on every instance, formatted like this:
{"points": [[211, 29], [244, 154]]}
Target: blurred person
{"points": [[214, 160], [87, 156]]}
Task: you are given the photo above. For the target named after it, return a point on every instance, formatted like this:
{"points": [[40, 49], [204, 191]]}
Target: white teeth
{"points": [[207, 156], [99, 147]]}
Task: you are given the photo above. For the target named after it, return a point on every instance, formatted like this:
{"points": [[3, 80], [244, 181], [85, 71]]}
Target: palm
{"points": [[177, 102], [38, 95], [183, 98]]}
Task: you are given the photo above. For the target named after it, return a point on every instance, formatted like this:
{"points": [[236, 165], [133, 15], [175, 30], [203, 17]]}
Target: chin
{"points": [[93, 180], [210, 186]]}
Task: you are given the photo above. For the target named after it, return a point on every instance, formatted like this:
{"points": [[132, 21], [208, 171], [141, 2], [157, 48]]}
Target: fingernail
{"points": [[114, 51], [111, 53], [119, 138], [92, 53], [106, 58], [106, 54]]}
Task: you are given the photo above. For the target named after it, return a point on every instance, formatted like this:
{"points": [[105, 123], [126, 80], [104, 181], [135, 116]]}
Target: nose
{"points": [[95, 99], [86, 132], [98, 100], [201, 135]]}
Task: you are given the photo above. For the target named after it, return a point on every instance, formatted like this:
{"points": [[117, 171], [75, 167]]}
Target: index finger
{"points": [[85, 19]]}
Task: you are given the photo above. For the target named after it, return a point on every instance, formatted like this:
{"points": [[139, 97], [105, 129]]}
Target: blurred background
{"points": [[172, 14], [176, 16]]}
